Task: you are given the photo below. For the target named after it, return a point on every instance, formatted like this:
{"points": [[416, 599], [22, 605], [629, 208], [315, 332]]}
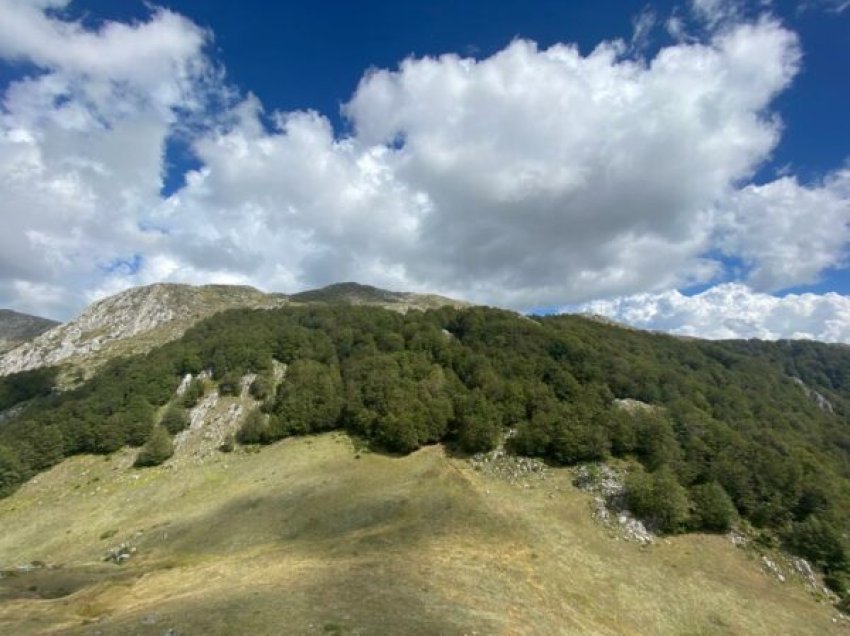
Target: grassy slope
{"points": [[305, 537]]}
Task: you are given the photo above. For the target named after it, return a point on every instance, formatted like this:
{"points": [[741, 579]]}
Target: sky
{"points": [[680, 166]]}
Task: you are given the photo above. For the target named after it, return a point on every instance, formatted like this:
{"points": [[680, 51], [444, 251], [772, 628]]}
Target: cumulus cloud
{"points": [[733, 310], [785, 233], [533, 177], [82, 143]]}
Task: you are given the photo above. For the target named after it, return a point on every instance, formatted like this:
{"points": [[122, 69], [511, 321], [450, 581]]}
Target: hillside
{"points": [[16, 328], [139, 319], [703, 438], [316, 536]]}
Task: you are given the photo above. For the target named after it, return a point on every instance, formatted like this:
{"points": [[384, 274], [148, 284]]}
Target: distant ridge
{"points": [[16, 328], [357, 294]]}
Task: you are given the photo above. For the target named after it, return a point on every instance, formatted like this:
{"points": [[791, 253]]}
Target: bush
{"points": [[261, 388], [820, 542], [713, 509], [255, 429], [175, 419], [11, 471], [230, 384], [157, 449], [657, 497], [194, 393]]}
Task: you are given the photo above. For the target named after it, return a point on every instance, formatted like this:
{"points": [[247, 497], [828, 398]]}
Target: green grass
{"points": [[315, 536]]}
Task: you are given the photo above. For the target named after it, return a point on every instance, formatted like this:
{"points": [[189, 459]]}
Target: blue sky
{"points": [[658, 162]]}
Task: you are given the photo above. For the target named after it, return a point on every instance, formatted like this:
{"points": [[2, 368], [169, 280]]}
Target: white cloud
{"points": [[786, 233], [82, 143], [530, 178], [557, 177], [733, 310]]}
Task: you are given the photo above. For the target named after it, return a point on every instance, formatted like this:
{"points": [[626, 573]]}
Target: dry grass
{"points": [[305, 537]]}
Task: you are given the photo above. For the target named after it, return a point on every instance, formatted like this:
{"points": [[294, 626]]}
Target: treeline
{"points": [[728, 434]]}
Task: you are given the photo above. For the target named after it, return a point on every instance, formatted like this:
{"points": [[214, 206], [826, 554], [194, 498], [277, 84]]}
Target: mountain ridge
{"points": [[17, 327], [140, 318]]}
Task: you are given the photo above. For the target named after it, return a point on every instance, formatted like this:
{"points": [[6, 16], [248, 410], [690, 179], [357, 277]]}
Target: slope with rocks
{"points": [[17, 328], [133, 321]]}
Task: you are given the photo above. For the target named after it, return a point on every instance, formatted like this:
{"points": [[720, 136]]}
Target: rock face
{"points": [[818, 398], [16, 328], [608, 488]]}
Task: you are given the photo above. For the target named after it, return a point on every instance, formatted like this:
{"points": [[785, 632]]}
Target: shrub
{"points": [[820, 542], [657, 497], [230, 384], [11, 471], [157, 449], [713, 509], [194, 393], [175, 419], [255, 429], [261, 388]]}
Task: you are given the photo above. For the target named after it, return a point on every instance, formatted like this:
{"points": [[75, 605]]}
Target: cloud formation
{"points": [[534, 177], [732, 310]]}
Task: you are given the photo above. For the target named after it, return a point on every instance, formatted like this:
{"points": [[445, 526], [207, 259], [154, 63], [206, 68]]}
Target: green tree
{"points": [[658, 497], [713, 509], [479, 423]]}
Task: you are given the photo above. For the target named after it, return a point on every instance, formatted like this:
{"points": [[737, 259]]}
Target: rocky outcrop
{"points": [[818, 398], [608, 487]]}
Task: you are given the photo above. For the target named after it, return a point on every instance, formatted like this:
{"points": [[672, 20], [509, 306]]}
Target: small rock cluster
{"points": [[511, 468], [783, 568], [609, 502], [120, 554]]}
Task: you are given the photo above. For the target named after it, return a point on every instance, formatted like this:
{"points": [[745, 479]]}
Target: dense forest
{"points": [[734, 432]]}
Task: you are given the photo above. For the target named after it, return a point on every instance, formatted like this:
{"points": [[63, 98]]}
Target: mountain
{"points": [[139, 319], [132, 321], [16, 328], [357, 294], [361, 470]]}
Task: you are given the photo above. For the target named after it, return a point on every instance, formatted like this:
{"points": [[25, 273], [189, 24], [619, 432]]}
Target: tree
{"points": [[713, 509], [657, 497], [157, 449], [261, 389], [479, 423]]}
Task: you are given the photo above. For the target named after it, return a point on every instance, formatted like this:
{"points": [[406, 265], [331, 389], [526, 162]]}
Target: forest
{"points": [[731, 433]]}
